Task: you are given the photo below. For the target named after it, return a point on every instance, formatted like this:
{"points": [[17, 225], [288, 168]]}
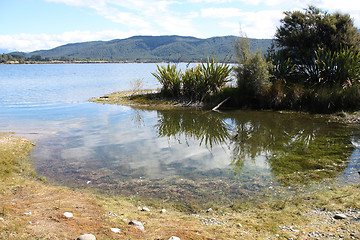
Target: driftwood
{"points": [[217, 106]]}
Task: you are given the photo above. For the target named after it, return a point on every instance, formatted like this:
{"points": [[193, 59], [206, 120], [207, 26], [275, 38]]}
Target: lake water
{"points": [[186, 157]]}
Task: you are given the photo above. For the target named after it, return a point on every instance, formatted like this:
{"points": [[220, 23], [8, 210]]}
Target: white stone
{"points": [[174, 238], [27, 213], [68, 215], [209, 210], [137, 224], [145, 209], [115, 230], [87, 237], [163, 211], [340, 216]]}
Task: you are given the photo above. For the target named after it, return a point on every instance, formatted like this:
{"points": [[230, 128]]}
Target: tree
{"points": [[252, 70], [301, 33]]}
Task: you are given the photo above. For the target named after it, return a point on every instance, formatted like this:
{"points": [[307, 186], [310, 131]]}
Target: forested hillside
{"points": [[149, 49]]}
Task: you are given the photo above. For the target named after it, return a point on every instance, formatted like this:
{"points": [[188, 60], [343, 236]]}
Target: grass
{"points": [[30, 208], [144, 99]]}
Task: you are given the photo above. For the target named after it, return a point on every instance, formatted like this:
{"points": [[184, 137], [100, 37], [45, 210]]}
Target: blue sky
{"points": [[30, 25]]}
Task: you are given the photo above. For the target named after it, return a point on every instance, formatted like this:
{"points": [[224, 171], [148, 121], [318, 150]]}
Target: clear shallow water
{"points": [[183, 156]]}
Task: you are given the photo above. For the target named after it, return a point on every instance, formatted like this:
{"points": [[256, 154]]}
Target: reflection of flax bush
{"points": [[195, 83], [207, 128]]}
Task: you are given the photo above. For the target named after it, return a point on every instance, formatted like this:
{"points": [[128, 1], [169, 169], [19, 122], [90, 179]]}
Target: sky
{"points": [[30, 25]]}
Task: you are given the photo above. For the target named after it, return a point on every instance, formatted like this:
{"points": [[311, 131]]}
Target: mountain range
{"points": [[151, 49]]}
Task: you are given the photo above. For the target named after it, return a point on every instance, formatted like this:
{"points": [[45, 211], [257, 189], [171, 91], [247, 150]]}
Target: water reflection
{"points": [[297, 148], [193, 157], [206, 127]]}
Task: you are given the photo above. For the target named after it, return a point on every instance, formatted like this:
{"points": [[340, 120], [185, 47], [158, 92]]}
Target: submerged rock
{"points": [[87, 237], [137, 224]]}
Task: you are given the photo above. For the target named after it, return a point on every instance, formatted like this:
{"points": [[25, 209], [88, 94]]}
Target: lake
{"points": [[186, 158]]}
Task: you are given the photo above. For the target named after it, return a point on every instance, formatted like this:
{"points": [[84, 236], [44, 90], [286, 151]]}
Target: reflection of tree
{"points": [[206, 127], [137, 118], [298, 148]]}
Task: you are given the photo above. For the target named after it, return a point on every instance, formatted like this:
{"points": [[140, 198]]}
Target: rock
{"points": [[68, 215], [239, 225], [163, 211], [2, 219], [115, 230], [27, 213], [124, 220], [209, 210], [145, 209], [86, 237], [137, 224], [174, 238], [340, 216]]}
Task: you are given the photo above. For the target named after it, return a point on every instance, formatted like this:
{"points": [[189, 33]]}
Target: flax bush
{"points": [[340, 67], [170, 79], [194, 84]]}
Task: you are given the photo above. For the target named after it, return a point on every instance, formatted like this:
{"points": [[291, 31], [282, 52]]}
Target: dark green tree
{"points": [[301, 33]]}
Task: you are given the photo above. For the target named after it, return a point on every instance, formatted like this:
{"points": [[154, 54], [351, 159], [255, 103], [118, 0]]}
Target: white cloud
{"points": [[164, 17], [144, 15], [32, 42], [260, 24], [220, 12], [345, 6], [233, 26], [210, 1]]}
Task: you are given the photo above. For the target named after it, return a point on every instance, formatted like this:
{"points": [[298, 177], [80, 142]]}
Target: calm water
{"points": [[179, 156]]}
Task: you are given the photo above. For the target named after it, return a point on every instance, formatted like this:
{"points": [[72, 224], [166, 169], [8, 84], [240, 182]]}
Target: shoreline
{"points": [[34, 209]]}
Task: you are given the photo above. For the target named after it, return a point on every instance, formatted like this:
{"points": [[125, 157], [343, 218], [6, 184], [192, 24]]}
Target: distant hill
{"points": [[152, 49]]}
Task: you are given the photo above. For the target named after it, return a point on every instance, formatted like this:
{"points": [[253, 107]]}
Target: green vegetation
{"points": [[320, 54], [195, 84], [146, 49], [316, 66], [11, 58], [252, 72], [313, 66]]}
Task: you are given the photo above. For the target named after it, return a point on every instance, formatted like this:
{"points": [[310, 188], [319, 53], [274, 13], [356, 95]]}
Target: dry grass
{"points": [[32, 209], [146, 99]]}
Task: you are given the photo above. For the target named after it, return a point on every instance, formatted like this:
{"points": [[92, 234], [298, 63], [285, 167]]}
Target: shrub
{"points": [[252, 71], [215, 75], [170, 79], [340, 67], [195, 83]]}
